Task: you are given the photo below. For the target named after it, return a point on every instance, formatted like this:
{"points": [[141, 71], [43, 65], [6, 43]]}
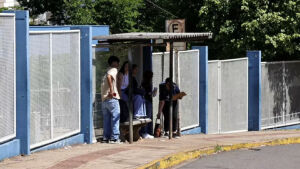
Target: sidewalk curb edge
{"points": [[175, 159]]}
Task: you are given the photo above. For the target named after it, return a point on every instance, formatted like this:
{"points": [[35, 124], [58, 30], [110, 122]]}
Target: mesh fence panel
{"points": [[213, 126], [7, 77], [40, 116], [64, 117], [157, 79], [272, 93], [292, 81], [280, 93], [65, 84], [189, 83], [234, 94]]}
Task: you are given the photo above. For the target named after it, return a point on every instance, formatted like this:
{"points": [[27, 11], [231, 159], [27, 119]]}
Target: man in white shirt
{"points": [[110, 103]]}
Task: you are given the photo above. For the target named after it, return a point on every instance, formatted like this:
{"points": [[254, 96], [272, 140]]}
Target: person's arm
{"points": [[110, 84], [160, 108], [119, 83]]}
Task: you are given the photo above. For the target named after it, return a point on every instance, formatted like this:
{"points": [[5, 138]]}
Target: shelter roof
{"points": [[158, 37]]}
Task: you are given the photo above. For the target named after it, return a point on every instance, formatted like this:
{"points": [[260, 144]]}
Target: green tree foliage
{"points": [[36, 7], [237, 25], [121, 16], [79, 12], [240, 25]]}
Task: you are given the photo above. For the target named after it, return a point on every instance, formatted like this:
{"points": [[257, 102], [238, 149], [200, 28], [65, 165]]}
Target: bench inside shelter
{"points": [[137, 125]]}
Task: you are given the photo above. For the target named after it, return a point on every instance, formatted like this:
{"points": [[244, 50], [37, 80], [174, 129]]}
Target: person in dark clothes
{"points": [[139, 109], [147, 131], [164, 104]]}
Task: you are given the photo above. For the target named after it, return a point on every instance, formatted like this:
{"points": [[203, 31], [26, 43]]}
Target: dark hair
{"points": [[134, 66], [112, 59], [168, 80], [122, 70]]}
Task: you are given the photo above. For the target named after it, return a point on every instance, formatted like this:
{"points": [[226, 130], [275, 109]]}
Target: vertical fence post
{"points": [[203, 92], [254, 90], [86, 70], [22, 80]]}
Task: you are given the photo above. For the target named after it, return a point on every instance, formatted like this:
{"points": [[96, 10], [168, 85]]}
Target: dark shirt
{"points": [[135, 87], [164, 93], [148, 90]]}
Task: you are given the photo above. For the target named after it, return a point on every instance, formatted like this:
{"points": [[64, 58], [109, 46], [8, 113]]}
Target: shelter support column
{"points": [[171, 110], [86, 71], [254, 90], [130, 96], [203, 92]]}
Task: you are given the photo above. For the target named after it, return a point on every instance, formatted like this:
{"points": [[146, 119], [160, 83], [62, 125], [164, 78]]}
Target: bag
{"points": [[157, 128]]}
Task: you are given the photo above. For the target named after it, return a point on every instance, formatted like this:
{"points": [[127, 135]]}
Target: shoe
{"points": [[147, 136], [175, 135], [104, 141], [118, 141], [166, 135]]}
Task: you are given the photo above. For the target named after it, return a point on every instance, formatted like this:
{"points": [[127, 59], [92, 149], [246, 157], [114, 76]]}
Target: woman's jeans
{"points": [[111, 119], [139, 108]]}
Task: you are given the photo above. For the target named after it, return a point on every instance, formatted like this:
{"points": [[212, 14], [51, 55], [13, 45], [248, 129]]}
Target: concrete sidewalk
{"points": [[95, 156]]}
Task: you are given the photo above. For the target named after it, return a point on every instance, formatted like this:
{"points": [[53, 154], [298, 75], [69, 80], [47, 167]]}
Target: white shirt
{"points": [[105, 87], [125, 82]]}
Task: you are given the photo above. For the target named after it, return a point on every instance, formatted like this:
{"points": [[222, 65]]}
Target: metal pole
{"points": [[171, 93], [178, 83], [130, 96]]}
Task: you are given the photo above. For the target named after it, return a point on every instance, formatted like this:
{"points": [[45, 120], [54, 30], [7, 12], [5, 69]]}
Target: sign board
{"points": [[176, 26]]}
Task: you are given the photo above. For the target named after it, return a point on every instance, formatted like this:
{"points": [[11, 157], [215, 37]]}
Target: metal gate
{"points": [[280, 94], [186, 75], [188, 81], [54, 85], [228, 96], [7, 77]]}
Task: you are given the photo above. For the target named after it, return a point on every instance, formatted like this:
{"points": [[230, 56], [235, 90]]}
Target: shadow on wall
{"points": [[284, 83], [292, 71]]}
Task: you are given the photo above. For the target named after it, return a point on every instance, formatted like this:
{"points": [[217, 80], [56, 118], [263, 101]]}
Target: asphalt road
{"points": [[277, 157]]}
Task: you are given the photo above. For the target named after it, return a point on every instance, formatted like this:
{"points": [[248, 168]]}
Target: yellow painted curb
{"points": [[175, 159]]}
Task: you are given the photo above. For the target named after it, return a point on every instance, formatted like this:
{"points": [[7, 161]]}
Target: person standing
{"points": [[110, 103]]}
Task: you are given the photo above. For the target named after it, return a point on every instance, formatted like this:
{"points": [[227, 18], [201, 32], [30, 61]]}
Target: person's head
{"points": [[168, 82], [135, 69], [113, 61], [124, 68]]}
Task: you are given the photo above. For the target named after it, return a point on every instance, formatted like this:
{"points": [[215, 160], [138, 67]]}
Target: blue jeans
{"points": [[111, 119], [139, 109]]}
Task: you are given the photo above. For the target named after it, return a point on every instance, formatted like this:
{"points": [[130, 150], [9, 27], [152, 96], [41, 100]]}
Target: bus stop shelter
{"points": [[131, 40]]}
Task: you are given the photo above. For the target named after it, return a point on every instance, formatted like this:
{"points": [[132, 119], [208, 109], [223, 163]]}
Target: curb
{"points": [[175, 159]]}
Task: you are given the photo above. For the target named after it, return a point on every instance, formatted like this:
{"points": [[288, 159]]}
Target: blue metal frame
{"points": [[254, 90], [86, 82], [203, 92], [21, 144]]}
